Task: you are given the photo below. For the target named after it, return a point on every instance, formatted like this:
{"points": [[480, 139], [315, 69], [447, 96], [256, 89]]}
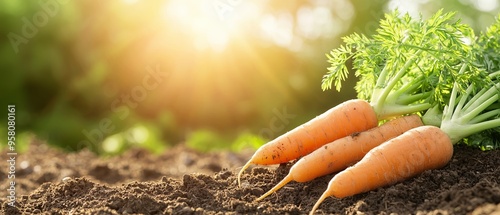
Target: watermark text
{"points": [[11, 154]]}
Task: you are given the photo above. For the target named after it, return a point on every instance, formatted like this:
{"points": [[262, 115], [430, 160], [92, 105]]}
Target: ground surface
{"points": [[182, 181]]}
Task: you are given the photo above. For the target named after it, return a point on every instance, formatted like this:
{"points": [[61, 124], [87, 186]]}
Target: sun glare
{"points": [[130, 1], [205, 20]]}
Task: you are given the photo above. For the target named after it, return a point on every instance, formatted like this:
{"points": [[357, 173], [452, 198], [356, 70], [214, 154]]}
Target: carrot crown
{"points": [[472, 114]]}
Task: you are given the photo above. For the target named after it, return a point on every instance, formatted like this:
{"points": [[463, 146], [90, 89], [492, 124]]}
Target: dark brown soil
{"points": [[182, 181]]}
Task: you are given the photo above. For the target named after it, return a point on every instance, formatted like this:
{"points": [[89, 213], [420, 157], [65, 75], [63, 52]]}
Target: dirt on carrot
{"points": [[183, 181], [349, 117], [344, 152]]}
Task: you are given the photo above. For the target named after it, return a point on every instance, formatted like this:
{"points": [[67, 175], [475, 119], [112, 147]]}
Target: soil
{"points": [[183, 181]]}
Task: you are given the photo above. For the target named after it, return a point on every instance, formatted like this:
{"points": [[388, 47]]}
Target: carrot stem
{"points": [[469, 116], [379, 99], [484, 116], [463, 99]]}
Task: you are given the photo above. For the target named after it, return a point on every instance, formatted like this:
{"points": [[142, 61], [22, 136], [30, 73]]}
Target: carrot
{"points": [[343, 152], [419, 149], [349, 117]]}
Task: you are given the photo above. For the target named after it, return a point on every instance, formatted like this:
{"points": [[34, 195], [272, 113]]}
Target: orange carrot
{"points": [[344, 152], [352, 116], [419, 149]]}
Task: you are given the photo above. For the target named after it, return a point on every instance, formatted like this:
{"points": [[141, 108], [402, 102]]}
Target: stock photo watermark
{"points": [[224, 8], [11, 154], [277, 123], [122, 105], [31, 25]]}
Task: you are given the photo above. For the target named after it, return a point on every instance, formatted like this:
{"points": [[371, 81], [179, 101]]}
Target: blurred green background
{"points": [[214, 74]]}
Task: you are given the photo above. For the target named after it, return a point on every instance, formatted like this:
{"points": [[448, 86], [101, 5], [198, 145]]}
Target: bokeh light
{"points": [[173, 67]]}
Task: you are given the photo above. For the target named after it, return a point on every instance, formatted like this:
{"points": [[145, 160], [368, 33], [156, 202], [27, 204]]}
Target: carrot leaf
{"points": [[473, 115], [409, 65], [435, 65]]}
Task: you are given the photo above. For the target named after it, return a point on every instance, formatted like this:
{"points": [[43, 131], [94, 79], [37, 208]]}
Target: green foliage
{"points": [[139, 136], [337, 72], [473, 116], [489, 47], [486, 140], [206, 140], [488, 55], [247, 140], [409, 65], [435, 48]]}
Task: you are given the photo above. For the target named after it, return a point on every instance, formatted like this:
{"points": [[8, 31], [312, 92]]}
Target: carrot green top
{"points": [[412, 64]]}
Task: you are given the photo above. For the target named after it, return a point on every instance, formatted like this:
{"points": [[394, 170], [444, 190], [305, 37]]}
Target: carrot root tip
{"points": [[242, 170], [320, 200], [282, 183]]}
